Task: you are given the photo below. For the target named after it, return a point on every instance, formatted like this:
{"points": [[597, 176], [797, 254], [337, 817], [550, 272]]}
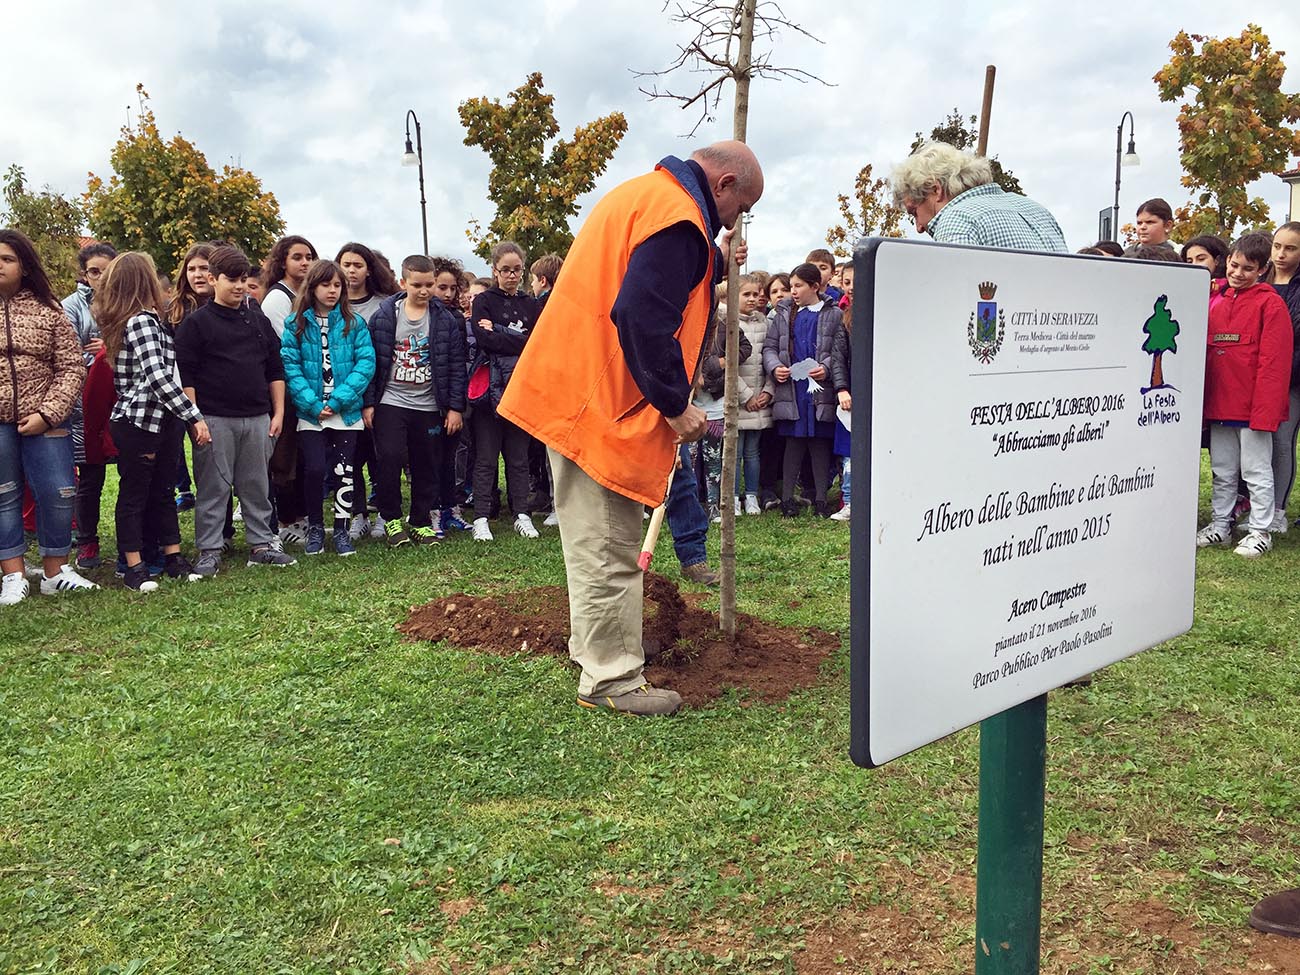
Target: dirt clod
{"points": [[688, 651]]}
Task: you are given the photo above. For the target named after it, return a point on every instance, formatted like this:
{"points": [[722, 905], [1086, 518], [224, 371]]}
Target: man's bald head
{"points": [[734, 176]]}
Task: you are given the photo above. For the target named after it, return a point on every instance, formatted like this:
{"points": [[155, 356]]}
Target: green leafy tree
{"points": [[163, 197], [535, 190], [51, 220], [1162, 332], [1232, 131], [869, 212], [963, 132]]}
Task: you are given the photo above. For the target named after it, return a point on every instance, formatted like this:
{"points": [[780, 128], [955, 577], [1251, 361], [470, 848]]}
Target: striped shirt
{"points": [[988, 216], [145, 379]]}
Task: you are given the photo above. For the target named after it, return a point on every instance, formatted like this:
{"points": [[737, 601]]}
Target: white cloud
{"points": [[311, 97]]}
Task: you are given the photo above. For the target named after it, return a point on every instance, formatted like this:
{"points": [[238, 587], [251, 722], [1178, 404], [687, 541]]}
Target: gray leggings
{"points": [[1284, 443]]}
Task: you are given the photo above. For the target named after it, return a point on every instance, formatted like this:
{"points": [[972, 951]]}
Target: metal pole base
{"points": [[1009, 872]]}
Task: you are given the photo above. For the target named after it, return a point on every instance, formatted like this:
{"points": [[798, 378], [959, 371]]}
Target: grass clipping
{"points": [[686, 650]]}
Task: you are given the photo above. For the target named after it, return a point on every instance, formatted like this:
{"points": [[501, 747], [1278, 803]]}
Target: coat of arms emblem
{"points": [[987, 327]]}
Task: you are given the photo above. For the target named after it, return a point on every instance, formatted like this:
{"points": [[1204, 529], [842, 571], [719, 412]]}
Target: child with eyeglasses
{"points": [[503, 317]]}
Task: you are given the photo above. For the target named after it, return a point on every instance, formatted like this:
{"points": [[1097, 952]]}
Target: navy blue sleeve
{"points": [[648, 312]]}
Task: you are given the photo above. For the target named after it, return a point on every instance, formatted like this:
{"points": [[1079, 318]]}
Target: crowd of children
{"points": [[1252, 370], [295, 383]]}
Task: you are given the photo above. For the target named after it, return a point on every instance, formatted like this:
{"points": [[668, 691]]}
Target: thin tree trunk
{"points": [[731, 409]]}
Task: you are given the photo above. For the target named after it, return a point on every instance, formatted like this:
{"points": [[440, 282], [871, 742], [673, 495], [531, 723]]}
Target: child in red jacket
{"points": [[1247, 375]]}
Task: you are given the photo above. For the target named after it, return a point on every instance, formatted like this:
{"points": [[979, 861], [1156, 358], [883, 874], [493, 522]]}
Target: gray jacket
{"points": [[776, 352]]}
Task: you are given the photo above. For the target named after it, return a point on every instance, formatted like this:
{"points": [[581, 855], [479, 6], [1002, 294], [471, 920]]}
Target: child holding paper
{"points": [[797, 355]]}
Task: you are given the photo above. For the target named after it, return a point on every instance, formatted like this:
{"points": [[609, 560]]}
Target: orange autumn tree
{"points": [[163, 196], [1232, 131], [535, 190], [870, 212]]}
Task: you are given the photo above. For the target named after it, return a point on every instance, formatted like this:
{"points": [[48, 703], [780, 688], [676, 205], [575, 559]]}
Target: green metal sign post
{"points": [[1009, 869]]}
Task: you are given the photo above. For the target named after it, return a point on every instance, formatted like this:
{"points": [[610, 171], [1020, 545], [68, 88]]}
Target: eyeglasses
{"points": [[513, 272], [94, 272]]}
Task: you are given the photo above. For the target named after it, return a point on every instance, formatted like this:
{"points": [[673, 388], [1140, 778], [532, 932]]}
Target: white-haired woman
{"points": [[952, 196]]}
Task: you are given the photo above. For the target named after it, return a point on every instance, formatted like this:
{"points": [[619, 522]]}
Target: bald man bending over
{"points": [[605, 383]]}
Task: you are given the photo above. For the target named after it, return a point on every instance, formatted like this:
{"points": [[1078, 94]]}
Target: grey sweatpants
{"points": [[238, 458], [1239, 452], [1284, 439]]}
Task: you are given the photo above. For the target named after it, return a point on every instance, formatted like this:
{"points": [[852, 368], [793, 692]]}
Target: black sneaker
{"points": [[137, 577], [178, 567]]}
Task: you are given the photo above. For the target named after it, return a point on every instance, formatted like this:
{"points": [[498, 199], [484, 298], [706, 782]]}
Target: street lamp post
{"points": [[1129, 158], [415, 157]]}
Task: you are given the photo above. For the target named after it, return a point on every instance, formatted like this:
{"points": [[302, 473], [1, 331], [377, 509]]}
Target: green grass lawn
{"points": [[257, 775]]}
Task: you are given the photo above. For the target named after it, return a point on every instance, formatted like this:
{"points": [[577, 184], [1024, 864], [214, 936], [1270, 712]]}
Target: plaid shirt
{"points": [[987, 216], [144, 377]]}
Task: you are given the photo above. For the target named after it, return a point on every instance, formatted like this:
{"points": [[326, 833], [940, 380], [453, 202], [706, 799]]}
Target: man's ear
{"points": [[212, 278]]}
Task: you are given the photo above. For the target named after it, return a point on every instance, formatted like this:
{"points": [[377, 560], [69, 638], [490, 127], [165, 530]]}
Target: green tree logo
{"points": [[1162, 331]]}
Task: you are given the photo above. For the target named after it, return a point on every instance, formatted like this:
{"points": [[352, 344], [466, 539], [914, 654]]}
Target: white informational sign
{"points": [[1026, 467]]}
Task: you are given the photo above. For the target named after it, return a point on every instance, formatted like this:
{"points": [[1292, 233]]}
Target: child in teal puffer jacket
{"points": [[328, 364]]}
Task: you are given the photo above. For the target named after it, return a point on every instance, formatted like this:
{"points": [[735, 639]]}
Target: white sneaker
{"points": [[738, 508], [67, 580], [841, 515], [33, 570], [1254, 545], [294, 533], [752, 507], [358, 527], [238, 514], [377, 530], [1279, 525], [552, 521], [524, 526], [14, 588], [1212, 534], [482, 533]]}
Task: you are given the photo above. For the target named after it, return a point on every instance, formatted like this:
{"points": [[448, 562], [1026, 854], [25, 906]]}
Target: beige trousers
{"points": [[600, 532]]}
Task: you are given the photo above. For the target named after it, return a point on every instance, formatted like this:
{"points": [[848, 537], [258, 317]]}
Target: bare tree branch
{"points": [[710, 52]]}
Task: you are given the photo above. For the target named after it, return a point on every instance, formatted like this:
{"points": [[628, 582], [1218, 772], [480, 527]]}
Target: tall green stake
{"points": [[1009, 872]]}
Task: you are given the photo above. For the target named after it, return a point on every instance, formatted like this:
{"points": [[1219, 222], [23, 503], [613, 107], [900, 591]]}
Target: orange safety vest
{"points": [[572, 388]]}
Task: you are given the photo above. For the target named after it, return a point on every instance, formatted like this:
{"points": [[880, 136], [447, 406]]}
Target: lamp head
{"points": [[1131, 156], [409, 157]]}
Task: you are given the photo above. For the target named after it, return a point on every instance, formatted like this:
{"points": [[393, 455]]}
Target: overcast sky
{"points": [[311, 97]]}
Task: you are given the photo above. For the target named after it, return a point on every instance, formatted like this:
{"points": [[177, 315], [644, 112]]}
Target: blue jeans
{"points": [[846, 480], [747, 449], [687, 519], [44, 462]]}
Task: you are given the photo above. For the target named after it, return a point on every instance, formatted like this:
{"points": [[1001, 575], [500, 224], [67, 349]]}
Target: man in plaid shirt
{"points": [[952, 197]]}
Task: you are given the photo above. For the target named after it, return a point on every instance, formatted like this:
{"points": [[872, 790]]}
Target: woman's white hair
{"points": [[938, 164]]}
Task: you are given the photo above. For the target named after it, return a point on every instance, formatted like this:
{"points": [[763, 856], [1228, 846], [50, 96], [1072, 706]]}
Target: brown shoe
{"points": [[701, 574], [644, 700], [1278, 914]]}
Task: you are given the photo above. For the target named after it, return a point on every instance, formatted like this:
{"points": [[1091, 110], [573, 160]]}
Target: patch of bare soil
{"points": [[685, 649]]}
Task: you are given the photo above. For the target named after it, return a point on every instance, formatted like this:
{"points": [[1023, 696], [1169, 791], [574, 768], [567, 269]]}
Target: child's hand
{"points": [[752, 404], [781, 374], [93, 346], [454, 422], [817, 373], [325, 414], [277, 422], [368, 416], [485, 324], [846, 401], [201, 435]]}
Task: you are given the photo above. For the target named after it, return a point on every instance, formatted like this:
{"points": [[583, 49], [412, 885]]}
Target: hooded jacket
{"points": [[1248, 358], [43, 369], [446, 353], [352, 358]]}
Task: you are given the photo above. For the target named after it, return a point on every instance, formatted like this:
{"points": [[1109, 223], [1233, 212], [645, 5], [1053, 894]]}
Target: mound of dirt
{"points": [[686, 650]]}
